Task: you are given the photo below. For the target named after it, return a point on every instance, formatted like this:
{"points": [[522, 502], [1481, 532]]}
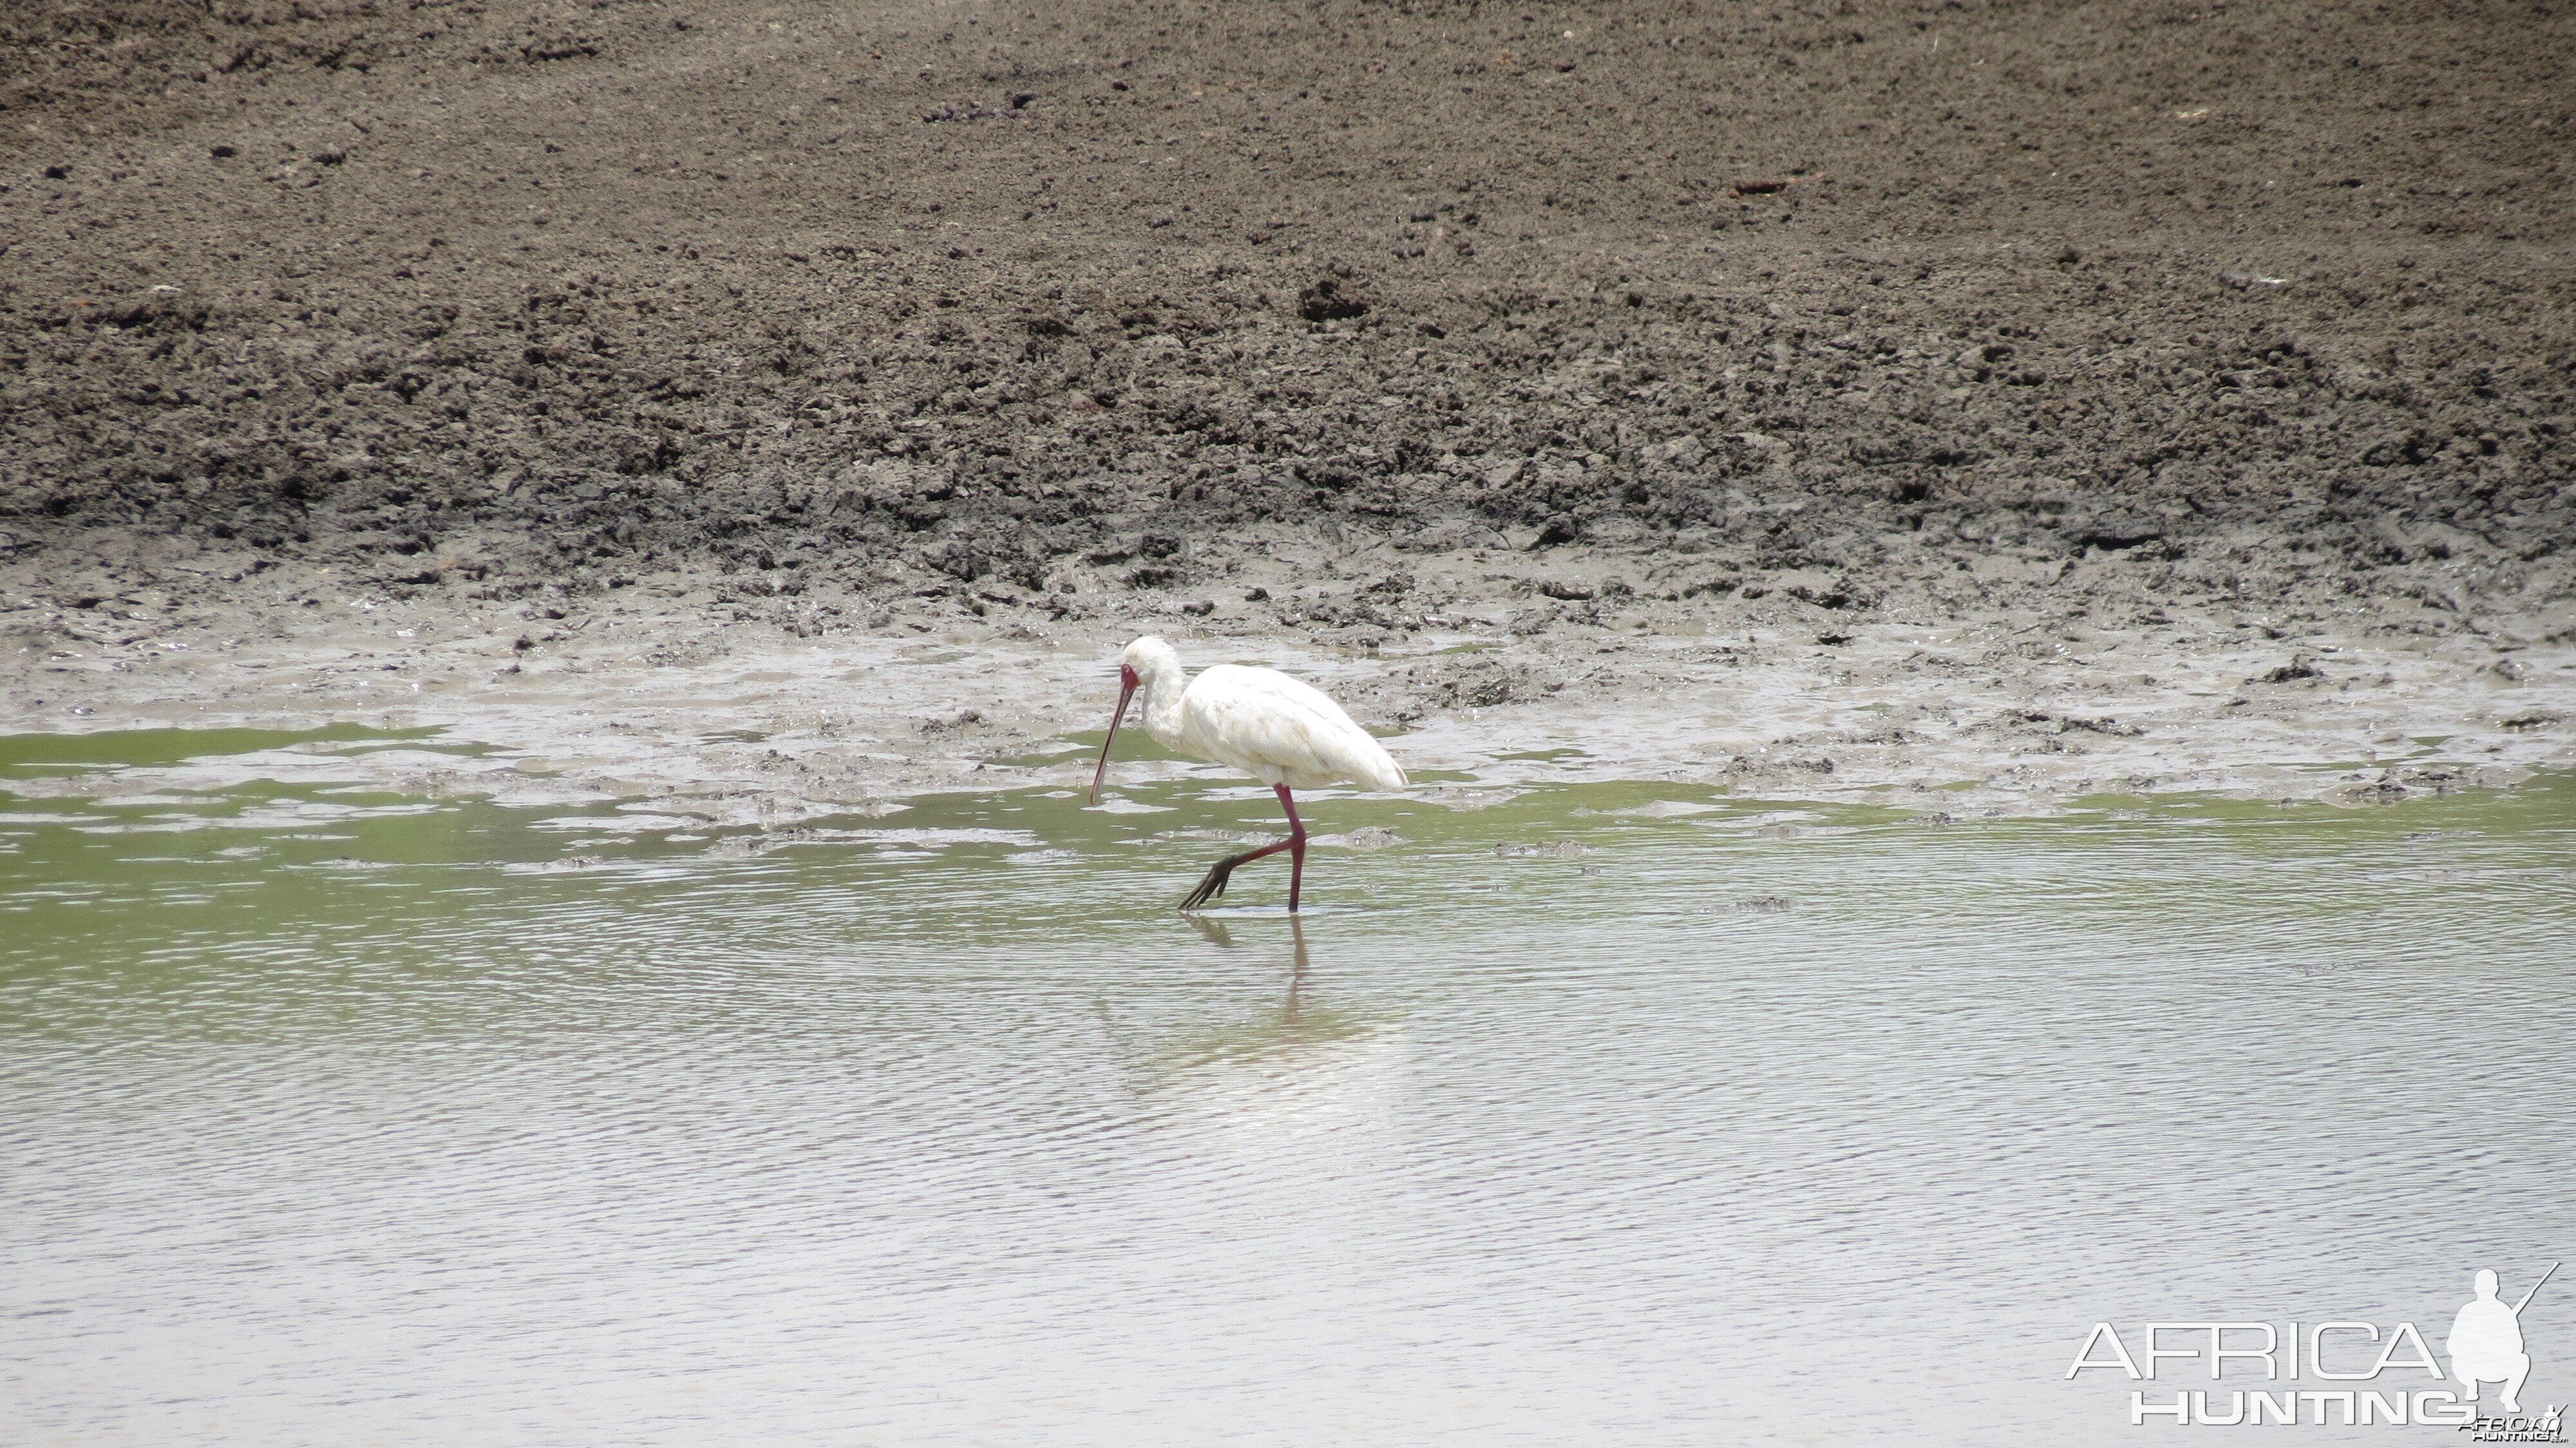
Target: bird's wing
{"points": [[1262, 721]]}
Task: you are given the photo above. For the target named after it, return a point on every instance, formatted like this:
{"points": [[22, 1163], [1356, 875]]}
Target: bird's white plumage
{"points": [[1277, 729], [1280, 730]]}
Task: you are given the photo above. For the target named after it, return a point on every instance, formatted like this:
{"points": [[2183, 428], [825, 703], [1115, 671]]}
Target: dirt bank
{"points": [[1724, 370]]}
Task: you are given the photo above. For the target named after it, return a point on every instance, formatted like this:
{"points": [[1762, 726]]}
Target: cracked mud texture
{"points": [[2137, 333]]}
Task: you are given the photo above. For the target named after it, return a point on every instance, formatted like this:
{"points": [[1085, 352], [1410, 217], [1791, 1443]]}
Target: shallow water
{"points": [[334, 1117]]}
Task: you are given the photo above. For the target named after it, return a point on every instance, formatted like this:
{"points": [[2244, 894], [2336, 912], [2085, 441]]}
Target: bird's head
{"points": [[1148, 658]]}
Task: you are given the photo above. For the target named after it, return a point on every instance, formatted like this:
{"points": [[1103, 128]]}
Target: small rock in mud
{"points": [[1559, 850], [1746, 764], [1325, 301], [2412, 780], [2295, 669], [1556, 530], [2379, 791], [745, 847]]}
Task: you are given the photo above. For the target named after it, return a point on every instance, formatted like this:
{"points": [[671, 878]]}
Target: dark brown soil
{"points": [[978, 302]]}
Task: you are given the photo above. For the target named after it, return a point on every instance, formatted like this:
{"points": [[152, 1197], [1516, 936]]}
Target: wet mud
{"points": [[2018, 400]]}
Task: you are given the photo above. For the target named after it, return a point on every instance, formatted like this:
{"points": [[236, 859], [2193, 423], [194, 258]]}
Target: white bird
{"points": [[1280, 731]]}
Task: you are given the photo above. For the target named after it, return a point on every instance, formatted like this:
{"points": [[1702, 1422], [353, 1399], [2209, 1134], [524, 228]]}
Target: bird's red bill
{"points": [[1126, 692]]}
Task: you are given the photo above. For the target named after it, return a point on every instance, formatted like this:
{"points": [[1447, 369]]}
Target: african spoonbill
{"points": [[1280, 731]]}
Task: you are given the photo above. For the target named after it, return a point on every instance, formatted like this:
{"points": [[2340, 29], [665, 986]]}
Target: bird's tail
{"points": [[1390, 775]]}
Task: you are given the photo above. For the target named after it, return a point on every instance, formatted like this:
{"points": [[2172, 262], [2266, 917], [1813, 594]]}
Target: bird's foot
{"points": [[1213, 885]]}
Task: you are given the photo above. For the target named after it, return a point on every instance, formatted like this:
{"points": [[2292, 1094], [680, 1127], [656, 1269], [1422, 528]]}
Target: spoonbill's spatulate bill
{"points": [[1282, 732]]}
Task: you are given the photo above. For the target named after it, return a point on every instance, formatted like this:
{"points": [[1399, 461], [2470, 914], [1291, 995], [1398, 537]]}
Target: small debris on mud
{"points": [[1325, 301], [569, 864], [752, 846], [1559, 850]]}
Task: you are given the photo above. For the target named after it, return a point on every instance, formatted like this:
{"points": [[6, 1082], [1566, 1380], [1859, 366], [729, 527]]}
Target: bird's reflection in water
{"points": [[1215, 933], [1293, 1028]]}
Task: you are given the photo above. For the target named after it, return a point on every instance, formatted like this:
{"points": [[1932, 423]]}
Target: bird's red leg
{"points": [[1213, 885], [1296, 847]]}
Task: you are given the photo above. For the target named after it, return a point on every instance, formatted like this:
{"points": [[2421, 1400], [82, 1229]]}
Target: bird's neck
{"points": [[1162, 690]]}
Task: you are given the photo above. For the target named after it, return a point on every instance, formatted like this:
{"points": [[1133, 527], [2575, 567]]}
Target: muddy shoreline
{"points": [[1977, 410], [642, 695]]}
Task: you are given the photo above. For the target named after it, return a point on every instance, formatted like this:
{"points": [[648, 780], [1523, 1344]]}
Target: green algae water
{"points": [[1615, 1114]]}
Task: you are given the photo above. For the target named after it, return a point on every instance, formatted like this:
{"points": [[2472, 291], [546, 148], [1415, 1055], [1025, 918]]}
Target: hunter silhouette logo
{"points": [[2486, 1340], [2361, 1373]]}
